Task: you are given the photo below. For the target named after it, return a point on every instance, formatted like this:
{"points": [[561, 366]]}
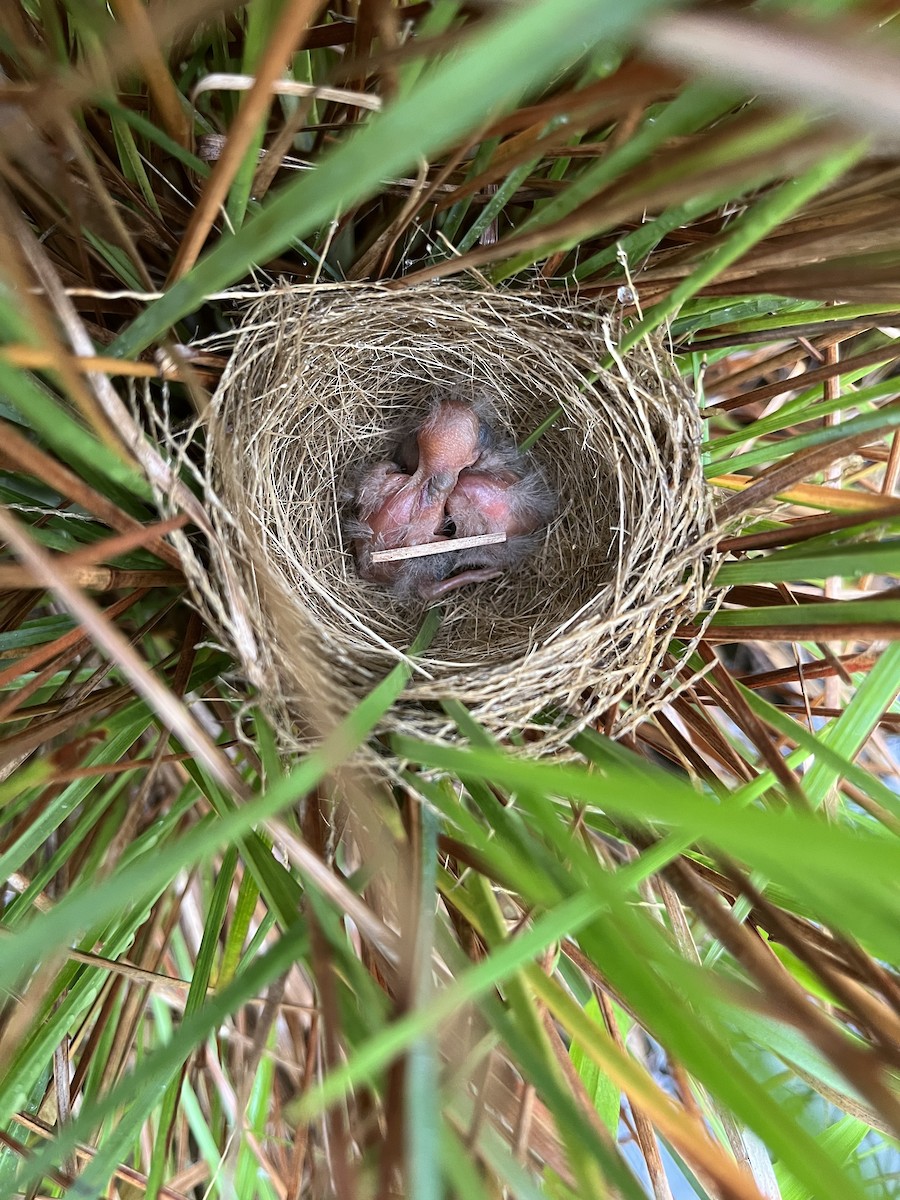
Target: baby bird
{"points": [[501, 493], [398, 509]]}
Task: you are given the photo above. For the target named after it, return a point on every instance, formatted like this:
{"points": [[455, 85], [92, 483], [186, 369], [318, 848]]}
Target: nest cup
{"points": [[323, 381]]}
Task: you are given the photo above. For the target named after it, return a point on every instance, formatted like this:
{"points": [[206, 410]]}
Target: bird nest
{"points": [[323, 381]]}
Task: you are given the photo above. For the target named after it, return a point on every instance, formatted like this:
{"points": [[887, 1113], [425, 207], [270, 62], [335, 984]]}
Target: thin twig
{"points": [[443, 547]]}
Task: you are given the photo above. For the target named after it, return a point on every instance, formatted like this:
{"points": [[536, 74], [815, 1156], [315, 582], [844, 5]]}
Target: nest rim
{"points": [[320, 378]]}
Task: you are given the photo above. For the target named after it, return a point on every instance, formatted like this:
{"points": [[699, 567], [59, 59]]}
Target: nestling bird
{"points": [[454, 476], [396, 509], [501, 493]]}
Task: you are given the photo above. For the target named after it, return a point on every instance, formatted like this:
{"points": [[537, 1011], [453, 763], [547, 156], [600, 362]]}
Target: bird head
{"points": [[449, 441]]}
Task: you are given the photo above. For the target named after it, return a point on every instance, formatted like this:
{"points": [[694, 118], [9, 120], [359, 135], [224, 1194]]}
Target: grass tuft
{"points": [[664, 965]]}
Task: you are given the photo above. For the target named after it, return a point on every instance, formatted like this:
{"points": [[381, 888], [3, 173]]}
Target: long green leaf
{"points": [[849, 562]]}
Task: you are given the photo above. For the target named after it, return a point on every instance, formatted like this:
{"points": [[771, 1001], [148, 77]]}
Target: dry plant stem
{"points": [[445, 547], [891, 721], [36, 358], [883, 354], [229, 1103], [812, 495], [321, 381], [376, 261], [85, 1153], [123, 543], [847, 328], [29, 458], [116, 413], [775, 982], [68, 88], [60, 1178], [168, 708], [806, 931], [575, 1082], [697, 753], [74, 708], [438, 183], [125, 1020], [98, 579], [293, 19], [866, 1011], [803, 530], [279, 148], [852, 631], [174, 990], [643, 1126], [391, 1143], [341, 1166], [222, 80], [674, 1123], [499, 1092], [779, 478], [521, 1138], [60, 653], [763, 362], [63, 1096], [667, 739], [159, 81], [14, 254], [308, 863], [625, 204], [690, 708], [101, 196], [892, 470], [249, 1063], [302, 1129], [21, 1014], [830, 391], [873, 974], [753, 726], [764, 1176], [63, 720]]}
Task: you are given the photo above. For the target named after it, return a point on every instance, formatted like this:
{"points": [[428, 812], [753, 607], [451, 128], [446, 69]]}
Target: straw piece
{"points": [[444, 547]]}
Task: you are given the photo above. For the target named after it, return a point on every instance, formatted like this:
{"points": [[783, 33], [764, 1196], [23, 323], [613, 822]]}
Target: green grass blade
{"points": [[749, 229]]}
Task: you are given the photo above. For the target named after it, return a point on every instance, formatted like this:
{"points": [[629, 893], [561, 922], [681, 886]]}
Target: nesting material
{"points": [[322, 381]]}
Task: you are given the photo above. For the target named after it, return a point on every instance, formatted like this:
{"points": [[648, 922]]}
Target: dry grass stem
{"points": [[445, 547]]}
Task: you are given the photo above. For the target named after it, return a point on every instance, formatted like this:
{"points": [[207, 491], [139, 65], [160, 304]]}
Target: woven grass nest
{"points": [[323, 381]]}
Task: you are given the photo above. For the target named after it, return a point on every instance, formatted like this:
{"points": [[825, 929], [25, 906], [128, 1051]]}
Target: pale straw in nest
{"points": [[323, 381]]}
